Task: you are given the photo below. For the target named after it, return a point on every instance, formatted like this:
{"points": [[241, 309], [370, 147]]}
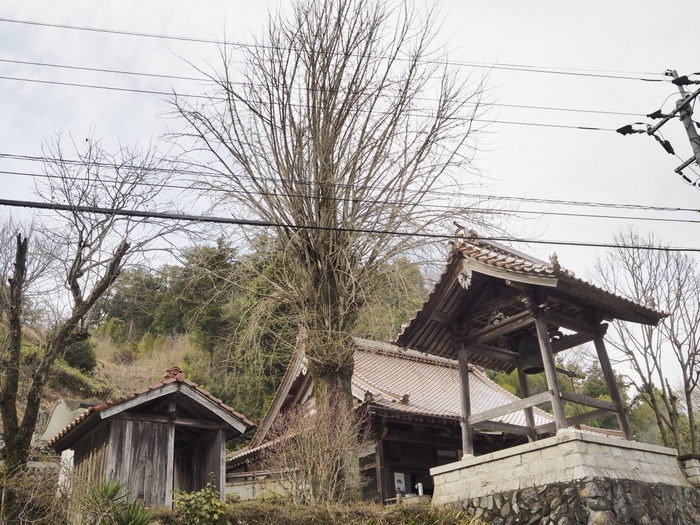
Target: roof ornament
{"points": [[404, 399], [463, 233], [554, 263], [369, 397], [174, 372]]}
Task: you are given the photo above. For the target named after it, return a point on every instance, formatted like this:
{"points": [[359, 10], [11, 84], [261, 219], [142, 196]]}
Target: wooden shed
{"points": [[169, 436]]}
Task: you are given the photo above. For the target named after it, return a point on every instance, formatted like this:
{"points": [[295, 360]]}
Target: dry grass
{"points": [[142, 371]]}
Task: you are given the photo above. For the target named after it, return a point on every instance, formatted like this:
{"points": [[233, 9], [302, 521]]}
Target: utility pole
{"points": [[684, 111]]}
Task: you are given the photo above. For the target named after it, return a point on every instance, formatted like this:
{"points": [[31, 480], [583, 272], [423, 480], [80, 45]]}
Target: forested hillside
{"points": [[224, 315]]}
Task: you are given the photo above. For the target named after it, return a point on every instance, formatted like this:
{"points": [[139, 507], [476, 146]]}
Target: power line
{"points": [[205, 79], [507, 67], [206, 97], [267, 224], [311, 184], [439, 207]]}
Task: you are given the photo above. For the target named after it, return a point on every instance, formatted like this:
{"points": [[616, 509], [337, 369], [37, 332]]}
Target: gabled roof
{"points": [[400, 383], [485, 282], [173, 382], [410, 384]]}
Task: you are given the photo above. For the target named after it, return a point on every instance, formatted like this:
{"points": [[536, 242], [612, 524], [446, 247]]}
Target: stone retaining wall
{"points": [[569, 456], [572, 478], [589, 502]]}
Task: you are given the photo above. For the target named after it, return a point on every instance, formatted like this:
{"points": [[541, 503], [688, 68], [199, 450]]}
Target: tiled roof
{"points": [[500, 257], [172, 375], [477, 270], [431, 383], [414, 384]]}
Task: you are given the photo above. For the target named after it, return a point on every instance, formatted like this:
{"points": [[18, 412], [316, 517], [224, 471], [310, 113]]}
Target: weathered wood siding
{"points": [[138, 457], [90, 459]]}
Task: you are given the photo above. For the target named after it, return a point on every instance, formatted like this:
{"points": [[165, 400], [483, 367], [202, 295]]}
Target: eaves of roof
{"points": [[92, 415]]}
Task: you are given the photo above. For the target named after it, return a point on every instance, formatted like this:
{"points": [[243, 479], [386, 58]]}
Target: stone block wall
{"points": [[569, 456], [589, 502], [573, 478], [691, 468]]}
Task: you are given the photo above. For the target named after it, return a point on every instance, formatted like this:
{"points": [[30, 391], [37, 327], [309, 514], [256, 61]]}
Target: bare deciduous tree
{"points": [[308, 454], [60, 269], [342, 128], [669, 281]]}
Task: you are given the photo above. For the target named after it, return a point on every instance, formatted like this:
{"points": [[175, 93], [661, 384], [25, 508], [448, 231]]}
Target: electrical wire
{"points": [[438, 207], [206, 97], [311, 184], [204, 79], [260, 223], [508, 67]]}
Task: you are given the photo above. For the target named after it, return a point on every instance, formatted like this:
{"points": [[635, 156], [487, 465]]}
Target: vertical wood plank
{"points": [[550, 372], [612, 387], [467, 433], [222, 464], [170, 466]]}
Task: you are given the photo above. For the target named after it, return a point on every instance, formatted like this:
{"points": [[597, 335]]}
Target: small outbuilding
{"points": [[169, 436]]}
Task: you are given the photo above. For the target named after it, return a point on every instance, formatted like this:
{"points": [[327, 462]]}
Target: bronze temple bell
{"points": [[529, 355]]}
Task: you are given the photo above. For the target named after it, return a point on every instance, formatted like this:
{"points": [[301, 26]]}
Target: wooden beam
{"points": [[578, 325], [588, 401], [215, 408], [520, 404], [506, 428], [550, 372], [467, 436], [612, 387], [138, 400], [529, 415], [494, 352], [492, 306], [170, 461], [412, 436], [549, 428], [505, 327], [570, 341], [178, 421], [221, 438]]}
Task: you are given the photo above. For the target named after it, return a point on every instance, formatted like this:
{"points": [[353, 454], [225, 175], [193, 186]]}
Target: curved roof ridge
{"points": [[367, 345]]}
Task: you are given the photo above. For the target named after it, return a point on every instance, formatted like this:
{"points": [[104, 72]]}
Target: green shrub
{"points": [[107, 503], [150, 342], [81, 355], [113, 328], [65, 376], [201, 508]]}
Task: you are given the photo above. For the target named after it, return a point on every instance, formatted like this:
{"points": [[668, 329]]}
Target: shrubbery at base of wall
{"points": [[279, 513]]}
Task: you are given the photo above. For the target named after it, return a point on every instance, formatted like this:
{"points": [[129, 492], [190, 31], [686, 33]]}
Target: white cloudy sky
{"points": [[639, 39]]}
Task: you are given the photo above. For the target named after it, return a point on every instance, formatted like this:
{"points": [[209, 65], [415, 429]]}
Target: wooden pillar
{"points": [[467, 434], [221, 438], [550, 372], [612, 387], [383, 481], [529, 415], [170, 466]]}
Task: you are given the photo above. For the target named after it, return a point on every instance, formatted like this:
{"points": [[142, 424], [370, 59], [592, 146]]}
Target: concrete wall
{"points": [[569, 456]]}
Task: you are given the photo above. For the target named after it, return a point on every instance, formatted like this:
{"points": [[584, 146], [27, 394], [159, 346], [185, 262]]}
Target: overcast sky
{"points": [[597, 39]]}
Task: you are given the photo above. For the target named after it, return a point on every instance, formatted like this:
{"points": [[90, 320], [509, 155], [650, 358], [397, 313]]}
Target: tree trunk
{"points": [[16, 449]]}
